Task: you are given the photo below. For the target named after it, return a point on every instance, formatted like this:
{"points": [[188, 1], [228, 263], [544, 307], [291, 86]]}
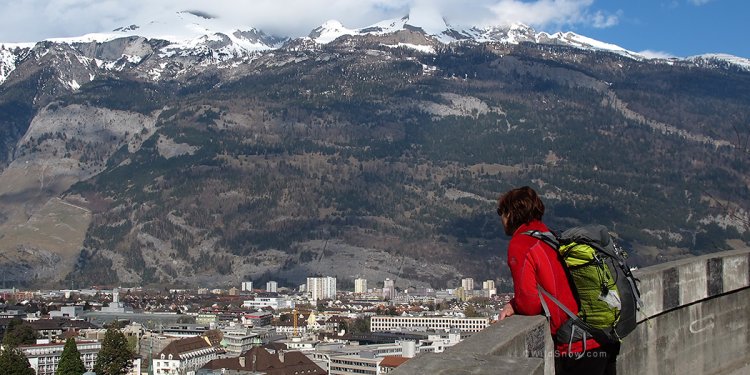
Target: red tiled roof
{"points": [[393, 361], [260, 360], [179, 347]]}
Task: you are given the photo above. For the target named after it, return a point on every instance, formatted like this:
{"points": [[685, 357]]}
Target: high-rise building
{"points": [[389, 289], [321, 287], [271, 286], [461, 294], [247, 286], [467, 284], [360, 285], [489, 288]]}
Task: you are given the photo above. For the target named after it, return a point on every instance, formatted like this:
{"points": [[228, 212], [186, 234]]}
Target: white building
{"points": [[272, 302], [44, 358], [467, 284], [247, 286], [272, 286], [239, 340], [321, 287], [437, 343], [350, 365], [116, 307], [389, 289], [184, 357], [359, 359], [69, 312], [427, 323], [185, 330], [288, 329], [360, 285], [489, 288]]}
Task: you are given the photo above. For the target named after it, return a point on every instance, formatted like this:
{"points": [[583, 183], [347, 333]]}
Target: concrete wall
{"points": [[517, 346], [696, 320]]}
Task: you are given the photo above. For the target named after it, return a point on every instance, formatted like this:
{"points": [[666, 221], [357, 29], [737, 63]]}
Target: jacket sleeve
{"points": [[523, 269]]}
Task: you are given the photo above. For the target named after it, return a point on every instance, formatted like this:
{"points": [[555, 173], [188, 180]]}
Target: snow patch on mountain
{"points": [[579, 41], [430, 50], [330, 31], [721, 60], [512, 34], [9, 57]]}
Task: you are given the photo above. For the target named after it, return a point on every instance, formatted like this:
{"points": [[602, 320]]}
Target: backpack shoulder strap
{"points": [[548, 237], [552, 240]]}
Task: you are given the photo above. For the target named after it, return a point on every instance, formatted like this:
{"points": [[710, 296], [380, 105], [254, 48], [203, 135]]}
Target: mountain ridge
{"points": [[196, 33]]}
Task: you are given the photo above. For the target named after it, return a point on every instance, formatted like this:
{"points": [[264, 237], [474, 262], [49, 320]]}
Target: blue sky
{"points": [[677, 27], [665, 27]]}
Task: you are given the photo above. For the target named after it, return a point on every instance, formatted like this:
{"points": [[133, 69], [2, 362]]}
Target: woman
{"points": [[533, 263]]}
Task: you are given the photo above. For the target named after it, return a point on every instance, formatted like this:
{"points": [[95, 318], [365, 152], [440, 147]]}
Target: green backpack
{"points": [[605, 289]]}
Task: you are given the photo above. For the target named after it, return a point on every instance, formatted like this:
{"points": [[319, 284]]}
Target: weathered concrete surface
{"points": [[670, 285], [696, 320], [459, 363], [517, 345], [703, 338]]}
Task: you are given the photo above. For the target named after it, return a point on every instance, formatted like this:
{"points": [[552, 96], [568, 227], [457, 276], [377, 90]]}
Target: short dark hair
{"points": [[521, 205]]}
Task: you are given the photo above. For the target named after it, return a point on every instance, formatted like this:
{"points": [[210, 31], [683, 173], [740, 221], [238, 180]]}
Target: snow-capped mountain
{"points": [[192, 38], [190, 32], [513, 34]]}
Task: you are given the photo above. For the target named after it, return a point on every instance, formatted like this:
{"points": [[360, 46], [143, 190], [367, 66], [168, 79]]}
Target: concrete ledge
{"points": [[461, 363], [519, 343], [702, 338]]}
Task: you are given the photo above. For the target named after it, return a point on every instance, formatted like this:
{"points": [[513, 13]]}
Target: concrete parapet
{"points": [[671, 285], [695, 320], [515, 345]]}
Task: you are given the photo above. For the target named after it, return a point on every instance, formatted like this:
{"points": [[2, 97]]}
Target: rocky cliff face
{"points": [[376, 154]]}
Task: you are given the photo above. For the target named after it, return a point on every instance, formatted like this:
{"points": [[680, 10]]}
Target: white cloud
{"points": [[550, 13], [539, 12], [699, 2], [603, 21], [31, 20], [656, 54]]}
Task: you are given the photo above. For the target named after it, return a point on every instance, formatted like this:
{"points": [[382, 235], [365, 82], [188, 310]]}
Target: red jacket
{"points": [[533, 262]]}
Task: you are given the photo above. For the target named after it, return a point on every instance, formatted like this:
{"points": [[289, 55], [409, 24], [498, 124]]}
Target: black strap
{"points": [[600, 335], [551, 240]]}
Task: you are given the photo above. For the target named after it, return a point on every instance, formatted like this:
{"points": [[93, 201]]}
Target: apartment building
{"points": [[427, 323], [44, 358], [360, 285], [321, 287], [186, 356]]}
